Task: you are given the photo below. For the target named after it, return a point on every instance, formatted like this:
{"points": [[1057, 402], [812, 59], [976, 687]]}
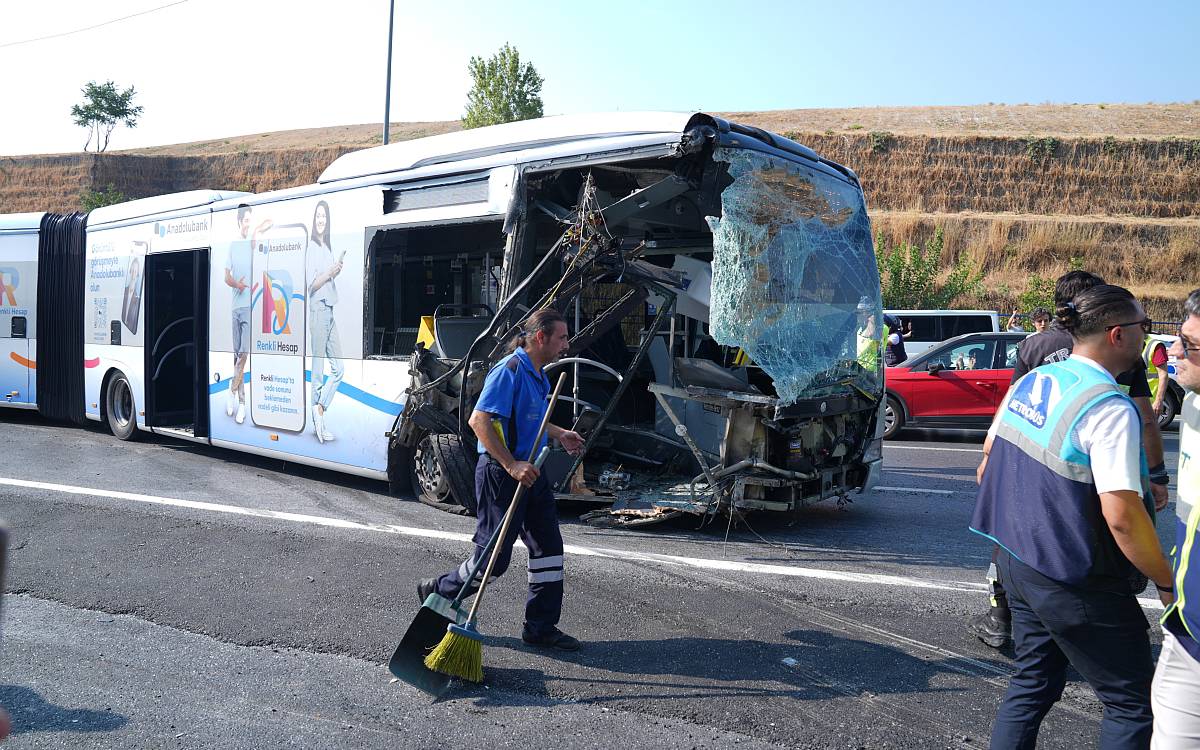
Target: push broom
{"points": [[460, 652]]}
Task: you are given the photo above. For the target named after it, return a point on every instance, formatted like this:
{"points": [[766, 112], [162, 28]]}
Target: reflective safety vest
{"points": [[1151, 370], [1185, 612], [1038, 496], [868, 350]]}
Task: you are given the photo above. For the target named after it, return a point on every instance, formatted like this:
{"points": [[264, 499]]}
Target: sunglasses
{"points": [[1188, 347], [1145, 323]]}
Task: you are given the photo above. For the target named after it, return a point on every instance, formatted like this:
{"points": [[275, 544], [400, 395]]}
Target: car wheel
{"points": [[893, 418], [120, 409], [1170, 410]]}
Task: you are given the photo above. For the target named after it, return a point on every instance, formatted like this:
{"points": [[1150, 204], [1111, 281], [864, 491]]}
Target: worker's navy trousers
{"points": [[536, 520], [1102, 635]]}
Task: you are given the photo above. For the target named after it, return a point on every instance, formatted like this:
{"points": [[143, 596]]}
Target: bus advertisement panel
{"points": [[286, 331]]}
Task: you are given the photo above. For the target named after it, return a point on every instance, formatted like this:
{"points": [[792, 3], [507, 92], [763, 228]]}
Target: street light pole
{"points": [[387, 95]]}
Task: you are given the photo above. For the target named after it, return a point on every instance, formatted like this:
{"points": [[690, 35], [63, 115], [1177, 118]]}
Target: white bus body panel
{"points": [[18, 299], [296, 349]]}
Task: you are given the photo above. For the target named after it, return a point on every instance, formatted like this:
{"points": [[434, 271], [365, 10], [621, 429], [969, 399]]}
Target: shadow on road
{"points": [[818, 666], [30, 712]]}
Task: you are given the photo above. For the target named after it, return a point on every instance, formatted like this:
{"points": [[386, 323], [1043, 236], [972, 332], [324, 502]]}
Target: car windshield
{"points": [[972, 355], [794, 283]]}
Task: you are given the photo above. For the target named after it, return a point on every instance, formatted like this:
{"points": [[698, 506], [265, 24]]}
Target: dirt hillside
{"points": [[1020, 189]]}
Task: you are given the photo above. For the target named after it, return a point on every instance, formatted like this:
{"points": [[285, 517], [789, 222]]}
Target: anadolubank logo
{"points": [[10, 279], [277, 302]]}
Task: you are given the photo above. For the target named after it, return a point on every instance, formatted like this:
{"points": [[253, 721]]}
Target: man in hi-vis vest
{"points": [[1062, 494], [1177, 679]]}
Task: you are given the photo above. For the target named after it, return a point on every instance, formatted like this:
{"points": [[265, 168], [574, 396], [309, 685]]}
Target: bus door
{"points": [[176, 340], [18, 308]]}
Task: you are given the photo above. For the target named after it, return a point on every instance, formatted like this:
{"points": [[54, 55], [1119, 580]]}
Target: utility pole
{"points": [[387, 94]]}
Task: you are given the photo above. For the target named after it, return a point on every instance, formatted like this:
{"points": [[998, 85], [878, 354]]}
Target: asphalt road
{"points": [[163, 594]]}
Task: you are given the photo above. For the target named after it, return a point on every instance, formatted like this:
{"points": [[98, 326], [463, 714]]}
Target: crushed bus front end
{"points": [[724, 307]]}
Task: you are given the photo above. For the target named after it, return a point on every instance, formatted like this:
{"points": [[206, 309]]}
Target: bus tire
{"points": [[120, 410], [442, 476]]}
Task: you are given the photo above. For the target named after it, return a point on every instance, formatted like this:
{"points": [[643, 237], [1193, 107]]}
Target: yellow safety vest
{"points": [[1151, 370], [869, 348], [1187, 514]]}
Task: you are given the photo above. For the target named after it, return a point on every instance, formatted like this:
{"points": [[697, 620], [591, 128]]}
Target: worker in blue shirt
{"points": [[1062, 493], [1176, 690], [505, 420]]}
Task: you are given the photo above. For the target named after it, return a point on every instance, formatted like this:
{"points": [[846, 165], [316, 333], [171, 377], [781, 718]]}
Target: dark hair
{"points": [[538, 320], [321, 239], [1192, 305], [1039, 312], [1071, 284], [243, 209], [1095, 309]]}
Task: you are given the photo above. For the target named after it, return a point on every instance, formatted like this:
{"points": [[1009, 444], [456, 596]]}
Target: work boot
{"points": [[554, 638], [993, 627], [425, 588]]}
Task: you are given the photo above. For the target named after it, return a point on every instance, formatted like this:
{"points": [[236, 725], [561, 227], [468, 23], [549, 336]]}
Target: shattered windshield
{"points": [[794, 279]]}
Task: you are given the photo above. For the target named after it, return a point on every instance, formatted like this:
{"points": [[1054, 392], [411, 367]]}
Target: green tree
{"points": [[909, 275], [90, 199], [1039, 292], [102, 109], [505, 90]]}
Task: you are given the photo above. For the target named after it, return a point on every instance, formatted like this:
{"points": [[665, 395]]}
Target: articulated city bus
{"points": [[720, 281]]}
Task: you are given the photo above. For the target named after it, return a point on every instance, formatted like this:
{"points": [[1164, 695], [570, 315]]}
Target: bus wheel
{"points": [[119, 408], [442, 476]]}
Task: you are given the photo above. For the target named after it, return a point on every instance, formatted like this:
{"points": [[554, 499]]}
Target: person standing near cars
{"points": [[894, 353], [1154, 356], [1176, 687], [1054, 344], [1062, 494], [1040, 318]]}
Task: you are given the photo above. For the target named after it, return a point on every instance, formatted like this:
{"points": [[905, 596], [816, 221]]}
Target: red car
{"points": [[957, 383]]}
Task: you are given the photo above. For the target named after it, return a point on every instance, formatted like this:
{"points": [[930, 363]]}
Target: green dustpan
{"points": [[427, 630]]}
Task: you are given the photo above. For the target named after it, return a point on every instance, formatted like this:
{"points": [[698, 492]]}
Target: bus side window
{"points": [[413, 271]]}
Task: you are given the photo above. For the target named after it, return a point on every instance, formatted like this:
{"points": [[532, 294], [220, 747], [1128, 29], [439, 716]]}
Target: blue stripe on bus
{"points": [[363, 397]]}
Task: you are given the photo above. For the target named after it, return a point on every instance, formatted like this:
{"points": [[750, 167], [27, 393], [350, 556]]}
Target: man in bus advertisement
{"points": [[295, 334]]}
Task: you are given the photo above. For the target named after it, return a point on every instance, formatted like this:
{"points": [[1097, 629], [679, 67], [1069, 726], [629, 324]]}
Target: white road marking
{"points": [[675, 560], [931, 448], [920, 490]]}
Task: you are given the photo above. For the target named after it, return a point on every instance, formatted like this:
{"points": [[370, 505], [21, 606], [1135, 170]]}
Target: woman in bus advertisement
{"points": [[322, 271]]}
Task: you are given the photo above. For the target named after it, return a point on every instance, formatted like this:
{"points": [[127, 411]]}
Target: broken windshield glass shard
{"points": [[794, 281]]}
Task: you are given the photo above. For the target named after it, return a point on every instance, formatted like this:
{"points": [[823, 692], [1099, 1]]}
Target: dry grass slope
{"points": [[1019, 189]]}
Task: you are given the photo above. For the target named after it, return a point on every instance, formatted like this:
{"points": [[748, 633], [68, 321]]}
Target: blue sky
{"points": [[212, 68]]}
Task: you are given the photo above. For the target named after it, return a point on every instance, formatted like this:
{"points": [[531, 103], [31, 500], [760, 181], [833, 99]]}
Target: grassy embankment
{"points": [[1019, 189]]}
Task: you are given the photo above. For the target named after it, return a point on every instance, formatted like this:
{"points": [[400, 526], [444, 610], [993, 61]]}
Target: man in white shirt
{"points": [[1061, 493]]}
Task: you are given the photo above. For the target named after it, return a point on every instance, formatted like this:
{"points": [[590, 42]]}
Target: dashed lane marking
{"points": [[931, 448], [920, 490], [624, 555]]}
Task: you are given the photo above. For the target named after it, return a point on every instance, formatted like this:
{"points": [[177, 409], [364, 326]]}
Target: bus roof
{"points": [[157, 205], [30, 222], [514, 136]]}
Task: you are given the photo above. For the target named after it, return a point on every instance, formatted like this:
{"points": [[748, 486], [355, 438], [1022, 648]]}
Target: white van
{"points": [[930, 327]]}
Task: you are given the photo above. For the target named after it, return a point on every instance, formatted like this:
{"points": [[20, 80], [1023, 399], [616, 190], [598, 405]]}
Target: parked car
{"points": [[960, 382], [930, 327]]}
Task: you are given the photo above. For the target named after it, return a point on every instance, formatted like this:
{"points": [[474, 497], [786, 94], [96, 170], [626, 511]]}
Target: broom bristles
{"points": [[458, 656]]}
